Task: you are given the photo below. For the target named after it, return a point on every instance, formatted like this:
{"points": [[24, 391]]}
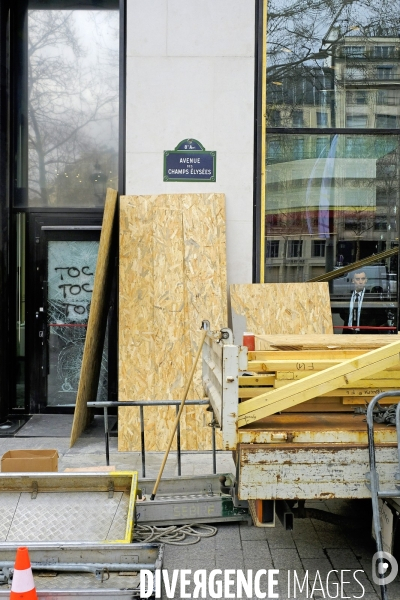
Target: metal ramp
{"points": [[92, 571], [376, 493], [67, 507]]}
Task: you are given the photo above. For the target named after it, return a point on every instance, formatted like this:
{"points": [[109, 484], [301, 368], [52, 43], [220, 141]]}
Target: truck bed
{"points": [[312, 456]]}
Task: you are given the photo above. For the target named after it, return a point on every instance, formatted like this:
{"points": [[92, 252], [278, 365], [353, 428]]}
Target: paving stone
{"points": [[311, 549], [343, 558], [286, 559], [249, 532], [277, 537], [228, 536]]}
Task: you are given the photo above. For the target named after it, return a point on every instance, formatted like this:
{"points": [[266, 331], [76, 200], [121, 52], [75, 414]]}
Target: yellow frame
{"points": [[131, 507], [263, 141]]}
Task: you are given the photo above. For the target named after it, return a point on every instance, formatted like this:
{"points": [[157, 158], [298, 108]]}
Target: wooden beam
{"points": [[256, 380], [318, 383], [352, 266], [96, 328], [291, 365], [297, 355]]}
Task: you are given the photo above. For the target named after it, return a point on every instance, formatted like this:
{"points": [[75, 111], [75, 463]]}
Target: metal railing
{"points": [[141, 404]]}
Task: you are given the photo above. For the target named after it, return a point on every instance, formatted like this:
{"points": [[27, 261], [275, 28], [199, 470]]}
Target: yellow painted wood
{"points": [[256, 380], [362, 400], [339, 354], [293, 375], [251, 392], [363, 384], [97, 322], [291, 365], [318, 383]]}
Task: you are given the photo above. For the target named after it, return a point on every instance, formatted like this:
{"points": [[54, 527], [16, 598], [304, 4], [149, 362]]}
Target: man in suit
{"points": [[358, 317]]}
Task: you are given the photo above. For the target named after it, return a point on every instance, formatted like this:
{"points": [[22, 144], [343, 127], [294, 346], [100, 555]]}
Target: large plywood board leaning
{"points": [[96, 328], [172, 276], [280, 308]]}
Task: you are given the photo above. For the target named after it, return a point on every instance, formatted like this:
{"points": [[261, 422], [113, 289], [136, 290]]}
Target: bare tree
{"points": [[69, 101]]}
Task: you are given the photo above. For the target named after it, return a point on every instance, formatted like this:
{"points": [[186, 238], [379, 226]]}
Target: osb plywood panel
{"points": [[282, 307], [172, 276], [96, 328], [322, 342]]}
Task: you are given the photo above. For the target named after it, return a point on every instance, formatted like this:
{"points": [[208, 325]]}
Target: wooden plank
{"points": [[361, 386], [136, 316], [291, 365], [97, 322], [318, 383], [256, 380], [297, 355], [252, 392], [362, 400], [168, 322], [321, 342], [293, 375], [206, 294], [291, 308]]}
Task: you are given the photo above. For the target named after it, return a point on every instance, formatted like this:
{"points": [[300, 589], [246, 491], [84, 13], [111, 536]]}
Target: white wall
{"points": [[190, 74]]}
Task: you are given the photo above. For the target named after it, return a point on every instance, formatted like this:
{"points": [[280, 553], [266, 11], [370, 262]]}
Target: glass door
{"points": [[64, 263], [70, 274]]}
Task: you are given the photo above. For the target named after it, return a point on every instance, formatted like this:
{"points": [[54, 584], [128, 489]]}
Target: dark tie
{"points": [[355, 309]]}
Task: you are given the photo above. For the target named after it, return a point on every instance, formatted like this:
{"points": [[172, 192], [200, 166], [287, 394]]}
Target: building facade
{"points": [[300, 103]]}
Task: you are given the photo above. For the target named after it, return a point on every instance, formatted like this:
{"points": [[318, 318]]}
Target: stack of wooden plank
{"points": [[280, 360]]}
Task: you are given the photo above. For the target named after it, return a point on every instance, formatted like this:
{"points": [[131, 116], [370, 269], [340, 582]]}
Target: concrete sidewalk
{"points": [[314, 546]]}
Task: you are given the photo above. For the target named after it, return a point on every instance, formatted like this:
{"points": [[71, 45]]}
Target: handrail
{"points": [[141, 404]]}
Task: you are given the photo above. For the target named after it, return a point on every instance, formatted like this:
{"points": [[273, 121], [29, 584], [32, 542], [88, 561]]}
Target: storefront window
{"points": [[331, 195]]}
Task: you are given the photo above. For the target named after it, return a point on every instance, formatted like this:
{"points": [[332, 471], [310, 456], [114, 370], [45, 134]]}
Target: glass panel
{"points": [[71, 267], [20, 310], [332, 56], [73, 66], [335, 205]]}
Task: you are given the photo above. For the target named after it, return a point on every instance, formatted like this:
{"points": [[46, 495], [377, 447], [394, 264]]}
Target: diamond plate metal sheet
{"points": [[74, 516], [9, 501], [118, 526]]}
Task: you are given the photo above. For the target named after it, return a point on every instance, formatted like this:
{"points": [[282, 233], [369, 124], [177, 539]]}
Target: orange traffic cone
{"points": [[23, 586]]}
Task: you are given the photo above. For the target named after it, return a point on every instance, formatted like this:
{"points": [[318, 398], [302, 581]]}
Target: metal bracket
{"points": [[226, 335], [34, 490], [5, 576], [111, 489]]}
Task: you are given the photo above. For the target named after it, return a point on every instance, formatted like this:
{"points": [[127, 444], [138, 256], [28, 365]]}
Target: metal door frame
{"points": [[40, 227]]}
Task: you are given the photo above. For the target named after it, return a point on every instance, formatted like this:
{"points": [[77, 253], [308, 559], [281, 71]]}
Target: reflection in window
{"points": [[298, 118], [384, 51], [334, 199], [295, 248], [356, 121], [386, 121], [272, 249], [354, 51], [318, 248], [385, 73], [298, 149], [73, 106], [322, 119], [351, 199]]}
